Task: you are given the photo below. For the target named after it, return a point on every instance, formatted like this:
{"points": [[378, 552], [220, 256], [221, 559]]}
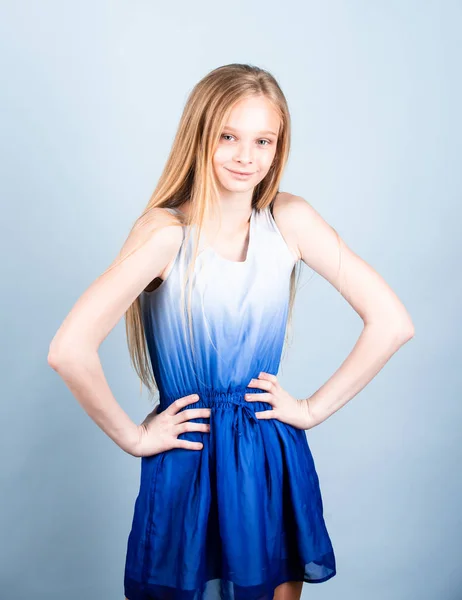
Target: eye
{"points": [[267, 142], [226, 135]]}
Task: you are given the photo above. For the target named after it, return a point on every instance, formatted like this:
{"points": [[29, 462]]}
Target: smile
{"points": [[239, 173]]}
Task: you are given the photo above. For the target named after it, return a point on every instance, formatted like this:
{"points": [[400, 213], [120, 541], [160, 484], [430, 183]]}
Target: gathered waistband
{"points": [[216, 399]]}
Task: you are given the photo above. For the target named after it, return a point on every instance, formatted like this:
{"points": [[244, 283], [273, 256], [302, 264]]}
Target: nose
{"points": [[244, 154]]}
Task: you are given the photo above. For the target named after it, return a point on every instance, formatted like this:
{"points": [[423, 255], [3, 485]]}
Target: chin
{"points": [[237, 186]]}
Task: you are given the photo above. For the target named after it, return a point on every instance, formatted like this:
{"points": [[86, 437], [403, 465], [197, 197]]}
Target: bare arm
{"points": [[73, 352], [387, 325]]}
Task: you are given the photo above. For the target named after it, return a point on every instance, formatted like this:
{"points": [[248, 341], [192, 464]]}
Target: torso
{"points": [[230, 252], [239, 311]]}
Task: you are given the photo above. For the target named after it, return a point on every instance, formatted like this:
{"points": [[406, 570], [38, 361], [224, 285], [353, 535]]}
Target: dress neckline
{"points": [[238, 263]]}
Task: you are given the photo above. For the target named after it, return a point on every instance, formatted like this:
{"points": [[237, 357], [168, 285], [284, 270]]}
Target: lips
{"points": [[240, 172]]}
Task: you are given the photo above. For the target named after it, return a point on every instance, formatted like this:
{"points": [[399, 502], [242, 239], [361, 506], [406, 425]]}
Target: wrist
{"points": [[132, 440], [313, 416]]}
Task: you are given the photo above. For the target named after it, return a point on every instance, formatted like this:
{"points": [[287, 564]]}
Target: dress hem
{"points": [[139, 594]]}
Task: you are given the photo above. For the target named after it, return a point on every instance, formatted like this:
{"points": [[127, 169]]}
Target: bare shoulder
{"points": [[158, 221], [288, 206], [286, 211], [160, 229]]}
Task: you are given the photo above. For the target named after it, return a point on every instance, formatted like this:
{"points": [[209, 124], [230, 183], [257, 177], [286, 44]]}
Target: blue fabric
{"points": [[234, 520]]}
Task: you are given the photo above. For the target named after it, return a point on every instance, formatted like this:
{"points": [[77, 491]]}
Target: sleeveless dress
{"points": [[243, 514]]}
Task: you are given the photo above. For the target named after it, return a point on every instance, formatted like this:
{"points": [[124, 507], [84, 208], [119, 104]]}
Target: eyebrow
{"points": [[266, 131]]}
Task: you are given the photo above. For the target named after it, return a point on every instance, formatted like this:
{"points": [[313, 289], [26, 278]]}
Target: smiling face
{"points": [[247, 145]]}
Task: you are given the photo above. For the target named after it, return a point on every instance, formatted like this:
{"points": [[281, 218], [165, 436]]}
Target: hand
{"points": [[158, 432], [285, 408]]}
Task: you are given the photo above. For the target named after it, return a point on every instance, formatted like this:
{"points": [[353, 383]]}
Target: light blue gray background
{"points": [[92, 93]]}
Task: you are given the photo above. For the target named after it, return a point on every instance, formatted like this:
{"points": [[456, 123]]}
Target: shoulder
{"points": [[158, 231], [161, 234], [159, 224], [288, 206], [290, 212], [317, 242]]}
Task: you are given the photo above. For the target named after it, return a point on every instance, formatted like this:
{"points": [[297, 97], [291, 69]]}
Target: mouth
{"points": [[241, 173]]}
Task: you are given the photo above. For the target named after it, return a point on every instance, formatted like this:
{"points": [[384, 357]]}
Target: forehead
{"points": [[254, 114]]}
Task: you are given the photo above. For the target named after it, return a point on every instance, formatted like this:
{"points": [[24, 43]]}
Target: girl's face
{"points": [[247, 145]]}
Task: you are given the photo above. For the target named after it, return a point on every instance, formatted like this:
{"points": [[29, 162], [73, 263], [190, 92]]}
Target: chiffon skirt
{"points": [[233, 520]]}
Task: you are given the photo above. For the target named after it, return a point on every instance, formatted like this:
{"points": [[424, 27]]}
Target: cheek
{"points": [[266, 160], [222, 155]]}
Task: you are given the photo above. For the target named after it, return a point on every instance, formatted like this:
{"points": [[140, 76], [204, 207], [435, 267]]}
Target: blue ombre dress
{"points": [[243, 514]]}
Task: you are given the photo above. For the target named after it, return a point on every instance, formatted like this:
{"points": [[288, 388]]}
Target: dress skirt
{"points": [[233, 520]]}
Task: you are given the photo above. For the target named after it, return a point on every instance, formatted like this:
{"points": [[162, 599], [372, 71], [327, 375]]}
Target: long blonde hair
{"points": [[188, 175]]}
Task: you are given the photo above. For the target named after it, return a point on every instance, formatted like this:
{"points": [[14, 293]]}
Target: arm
{"points": [[73, 352], [387, 325]]}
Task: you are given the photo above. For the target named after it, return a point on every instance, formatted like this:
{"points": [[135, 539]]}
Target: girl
{"points": [[229, 504]]}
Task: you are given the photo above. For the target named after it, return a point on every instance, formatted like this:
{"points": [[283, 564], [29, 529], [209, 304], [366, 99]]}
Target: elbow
{"points": [[53, 355], [52, 361], [398, 332], [56, 359], [62, 356], [409, 332], [404, 332]]}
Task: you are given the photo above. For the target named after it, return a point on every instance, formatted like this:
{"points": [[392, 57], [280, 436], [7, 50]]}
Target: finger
{"points": [[264, 397], [179, 403], [268, 376], [189, 445], [266, 414], [263, 384], [192, 413], [190, 426]]}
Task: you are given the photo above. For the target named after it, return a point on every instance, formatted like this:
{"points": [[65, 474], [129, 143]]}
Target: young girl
{"points": [[229, 504]]}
